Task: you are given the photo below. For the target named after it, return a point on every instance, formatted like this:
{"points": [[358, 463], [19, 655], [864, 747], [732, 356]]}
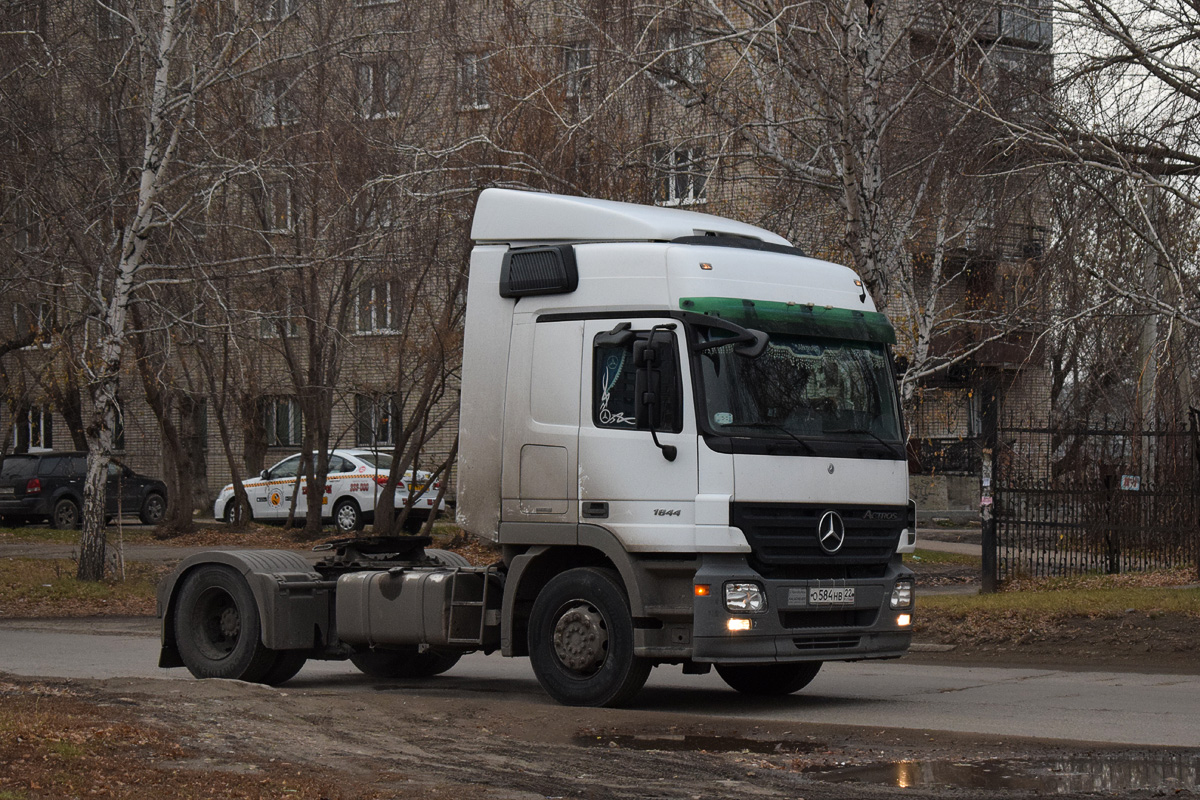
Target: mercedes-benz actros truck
{"points": [[685, 438]]}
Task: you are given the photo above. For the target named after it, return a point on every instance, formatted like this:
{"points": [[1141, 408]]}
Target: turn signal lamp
{"points": [[703, 590]]}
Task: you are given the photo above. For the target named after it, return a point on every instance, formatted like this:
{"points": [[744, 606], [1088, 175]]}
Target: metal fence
{"points": [[1110, 498]]}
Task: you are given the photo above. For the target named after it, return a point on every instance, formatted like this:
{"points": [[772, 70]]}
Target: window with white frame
{"points": [[33, 429], [276, 9], [577, 66], [682, 177], [277, 206], [276, 103], [682, 57], [34, 319], [375, 419], [27, 227], [379, 85], [473, 87], [282, 421], [1027, 22], [109, 22], [378, 306]]}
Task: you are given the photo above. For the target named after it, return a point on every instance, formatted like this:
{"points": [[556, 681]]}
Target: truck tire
{"points": [[581, 640], [287, 664], [154, 507], [769, 680], [347, 517], [65, 514], [217, 628], [446, 558], [404, 663]]}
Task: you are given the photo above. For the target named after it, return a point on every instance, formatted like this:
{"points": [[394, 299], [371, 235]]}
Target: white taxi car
{"points": [[356, 479]]}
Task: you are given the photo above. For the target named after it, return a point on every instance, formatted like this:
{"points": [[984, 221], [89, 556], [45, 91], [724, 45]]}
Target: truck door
{"points": [[626, 482]]}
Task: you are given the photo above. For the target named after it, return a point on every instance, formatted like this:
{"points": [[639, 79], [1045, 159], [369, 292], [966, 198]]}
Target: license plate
{"points": [[828, 596], [7, 490]]}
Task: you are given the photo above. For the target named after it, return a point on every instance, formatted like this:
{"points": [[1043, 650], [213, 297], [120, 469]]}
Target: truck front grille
{"points": [[785, 534], [826, 642], [829, 618]]}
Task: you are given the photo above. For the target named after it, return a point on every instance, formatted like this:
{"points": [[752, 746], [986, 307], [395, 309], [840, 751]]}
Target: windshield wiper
{"points": [[772, 426], [891, 448]]}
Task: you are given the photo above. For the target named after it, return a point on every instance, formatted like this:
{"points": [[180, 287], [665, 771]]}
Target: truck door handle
{"points": [[595, 510]]}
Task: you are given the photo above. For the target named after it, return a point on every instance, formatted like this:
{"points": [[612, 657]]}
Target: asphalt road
{"points": [[1117, 708]]}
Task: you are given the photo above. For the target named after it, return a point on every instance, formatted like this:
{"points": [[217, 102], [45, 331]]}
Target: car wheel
{"points": [[346, 516], [769, 680], [581, 640], [217, 628], [231, 510], [65, 514], [154, 508]]}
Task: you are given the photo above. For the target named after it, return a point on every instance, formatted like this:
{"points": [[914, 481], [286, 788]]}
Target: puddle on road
{"points": [[694, 743], [1167, 771]]}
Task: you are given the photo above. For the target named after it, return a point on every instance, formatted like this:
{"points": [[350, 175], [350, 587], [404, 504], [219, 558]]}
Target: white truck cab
{"points": [[686, 438]]}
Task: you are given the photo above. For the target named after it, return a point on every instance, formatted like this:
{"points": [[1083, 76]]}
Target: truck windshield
{"points": [[804, 385]]}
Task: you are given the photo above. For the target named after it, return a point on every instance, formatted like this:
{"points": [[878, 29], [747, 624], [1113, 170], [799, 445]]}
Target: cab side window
{"points": [[614, 386]]}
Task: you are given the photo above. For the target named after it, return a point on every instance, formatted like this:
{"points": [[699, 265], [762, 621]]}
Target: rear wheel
{"points": [[581, 640], [347, 517], [446, 558], [217, 628], [287, 664], [405, 662], [65, 514], [231, 510], [769, 680]]}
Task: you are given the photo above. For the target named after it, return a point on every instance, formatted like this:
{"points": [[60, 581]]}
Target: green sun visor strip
{"points": [[796, 318]]}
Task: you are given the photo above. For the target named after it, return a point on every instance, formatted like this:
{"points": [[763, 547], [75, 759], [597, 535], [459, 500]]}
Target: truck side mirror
{"points": [[656, 389]]}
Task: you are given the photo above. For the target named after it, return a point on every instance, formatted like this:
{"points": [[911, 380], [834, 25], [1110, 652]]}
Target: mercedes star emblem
{"points": [[831, 532]]}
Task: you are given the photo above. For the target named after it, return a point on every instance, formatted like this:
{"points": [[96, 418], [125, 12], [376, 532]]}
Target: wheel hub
{"points": [[580, 639], [231, 623]]}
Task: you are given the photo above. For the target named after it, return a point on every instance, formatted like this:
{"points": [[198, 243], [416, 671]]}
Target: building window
{"points": [[682, 57], [276, 9], [1027, 22], [277, 206], [282, 421], [378, 307], [379, 89], [682, 177], [276, 103], [577, 66], [27, 227], [109, 22], [36, 320], [473, 89], [33, 429], [376, 422]]}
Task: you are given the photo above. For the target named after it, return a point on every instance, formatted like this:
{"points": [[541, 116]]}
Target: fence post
{"points": [[989, 412]]}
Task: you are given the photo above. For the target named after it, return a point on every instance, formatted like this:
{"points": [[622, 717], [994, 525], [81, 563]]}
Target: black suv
{"points": [[50, 486]]}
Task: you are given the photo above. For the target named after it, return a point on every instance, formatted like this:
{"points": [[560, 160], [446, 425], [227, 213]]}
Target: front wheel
{"points": [[581, 640], [346, 516], [217, 627], [769, 680], [154, 508]]}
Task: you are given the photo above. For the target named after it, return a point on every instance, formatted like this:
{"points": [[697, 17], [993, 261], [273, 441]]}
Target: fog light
{"points": [[739, 624], [745, 597], [904, 620], [902, 594]]}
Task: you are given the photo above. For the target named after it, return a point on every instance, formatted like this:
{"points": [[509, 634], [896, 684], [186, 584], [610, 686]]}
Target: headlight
{"points": [[745, 597], [902, 594]]}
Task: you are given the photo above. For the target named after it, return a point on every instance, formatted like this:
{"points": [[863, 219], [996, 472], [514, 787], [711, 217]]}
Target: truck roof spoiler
{"points": [[512, 216]]}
